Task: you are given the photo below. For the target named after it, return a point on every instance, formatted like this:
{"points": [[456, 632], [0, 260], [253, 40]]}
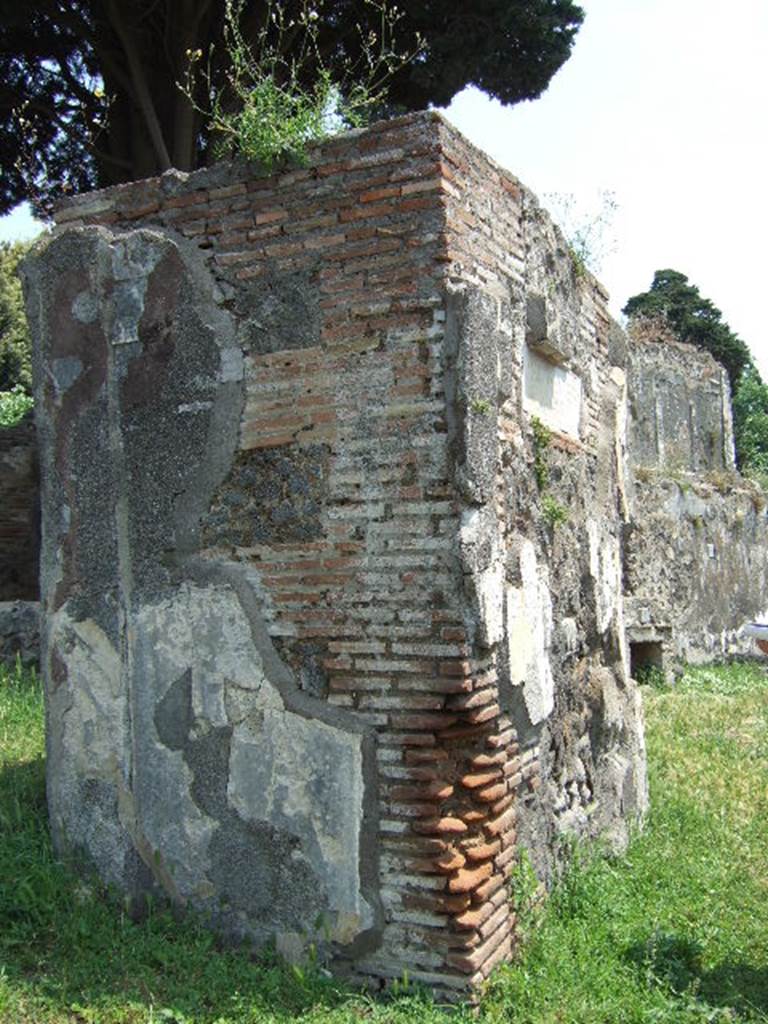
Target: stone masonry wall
{"points": [[695, 563], [313, 648], [680, 404], [545, 599], [695, 568]]}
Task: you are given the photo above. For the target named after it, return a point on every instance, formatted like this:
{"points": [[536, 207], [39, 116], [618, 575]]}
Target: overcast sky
{"points": [[664, 104]]}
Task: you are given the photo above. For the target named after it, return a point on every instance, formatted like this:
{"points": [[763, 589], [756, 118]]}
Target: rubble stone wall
{"points": [[544, 596], [333, 616], [695, 562], [680, 404], [695, 568]]}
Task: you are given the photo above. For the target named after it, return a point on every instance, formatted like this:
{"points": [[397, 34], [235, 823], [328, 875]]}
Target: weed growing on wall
{"points": [[588, 229], [281, 95], [481, 406], [578, 263], [554, 513]]}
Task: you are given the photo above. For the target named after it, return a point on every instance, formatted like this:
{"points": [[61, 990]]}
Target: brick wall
{"points": [[19, 527], [381, 502]]}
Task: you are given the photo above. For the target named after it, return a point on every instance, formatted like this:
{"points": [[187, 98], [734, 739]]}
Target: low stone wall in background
{"points": [[694, 568], [20, 632], [19, 512], [696, 538]]}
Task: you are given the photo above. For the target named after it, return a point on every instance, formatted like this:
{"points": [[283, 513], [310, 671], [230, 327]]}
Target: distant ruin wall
{"points": [[679, 404], [313, 647], [696, 542], [19, 514], [695, 568]]}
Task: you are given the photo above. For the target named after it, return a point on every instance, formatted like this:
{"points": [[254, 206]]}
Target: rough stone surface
{"points": [[317, 644], [694, 545], [163, 708], [270, 495], [19, 632], [680, 404], [694, 567]]}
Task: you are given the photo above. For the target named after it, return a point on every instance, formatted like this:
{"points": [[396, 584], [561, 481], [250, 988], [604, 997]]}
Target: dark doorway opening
{"points": [[644, 656]]}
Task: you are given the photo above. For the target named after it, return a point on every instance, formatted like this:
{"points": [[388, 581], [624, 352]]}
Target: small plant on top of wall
{"points": [[281, 95], [645, 474], [586, 226], [578, 263]]}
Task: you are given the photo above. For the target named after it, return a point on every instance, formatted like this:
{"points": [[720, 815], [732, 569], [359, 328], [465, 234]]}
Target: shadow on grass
{"points": [[66, 942], [674, 961]]}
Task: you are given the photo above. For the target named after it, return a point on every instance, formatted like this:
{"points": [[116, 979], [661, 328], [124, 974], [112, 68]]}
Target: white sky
{"points": [[664, 103]]}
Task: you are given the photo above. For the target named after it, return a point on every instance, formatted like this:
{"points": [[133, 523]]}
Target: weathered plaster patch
{"points": [[202, 630], [483, 564], [606, 571], [94, 725], [65, 372], [232, 366], [233, 770], [88, 741], [279, 312], [85, 307], [304, 776], [134, 258], [529, 635]]}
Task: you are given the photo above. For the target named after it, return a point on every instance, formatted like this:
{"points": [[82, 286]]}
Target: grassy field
{"points": [[676, 931]]}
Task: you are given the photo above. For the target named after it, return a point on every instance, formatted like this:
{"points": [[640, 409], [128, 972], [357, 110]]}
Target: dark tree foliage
{"points": [[750, 422], [694, 319], [699, 322], [89, 96]]}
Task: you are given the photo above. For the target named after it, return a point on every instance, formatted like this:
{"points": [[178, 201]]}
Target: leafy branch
{"points": [[281, 94]]}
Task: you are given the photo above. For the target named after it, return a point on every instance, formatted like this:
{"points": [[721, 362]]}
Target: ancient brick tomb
{"points": [[314, 649]]}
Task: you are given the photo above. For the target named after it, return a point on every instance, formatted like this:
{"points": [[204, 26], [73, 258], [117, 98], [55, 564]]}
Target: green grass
{"points": [[675, 931]]}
